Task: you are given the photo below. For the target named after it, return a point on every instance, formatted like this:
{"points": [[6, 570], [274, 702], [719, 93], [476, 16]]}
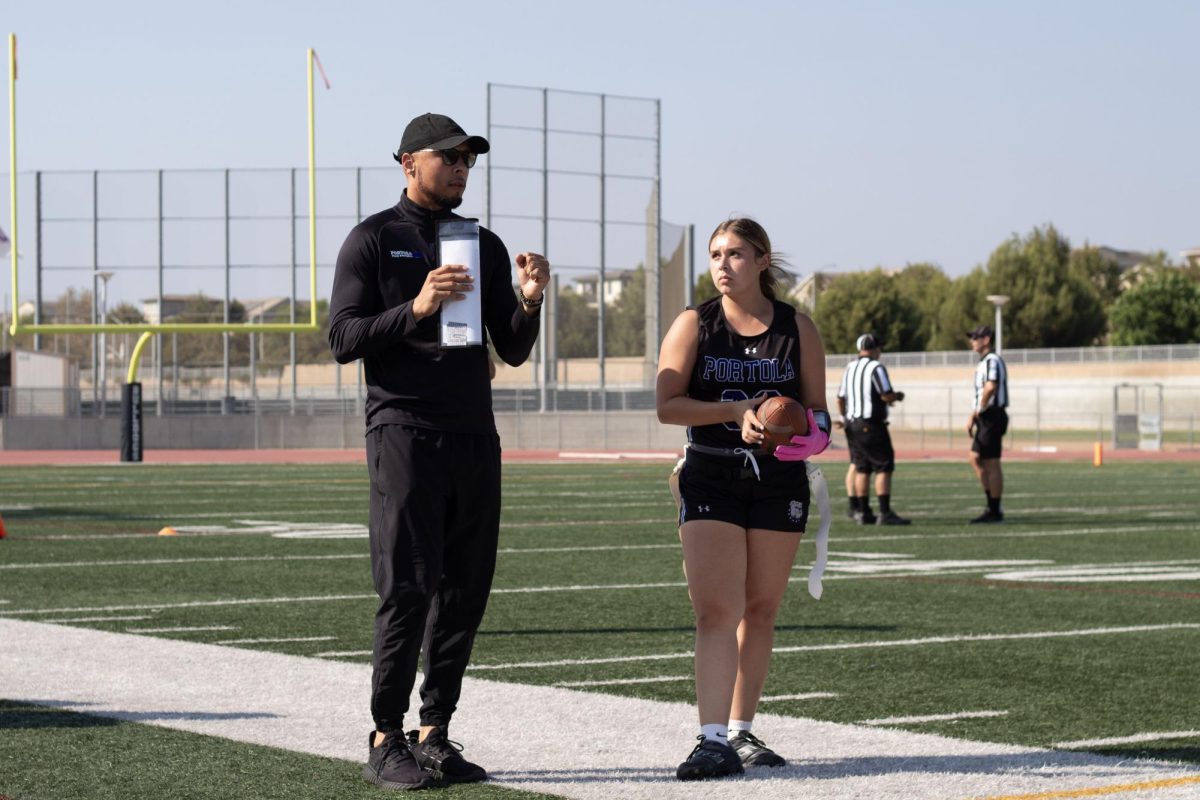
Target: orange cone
{"points": [[3, 532], [167, 531]]}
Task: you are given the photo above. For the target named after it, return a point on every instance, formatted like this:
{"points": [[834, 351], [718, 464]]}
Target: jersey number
{"points": [[736, 395]]}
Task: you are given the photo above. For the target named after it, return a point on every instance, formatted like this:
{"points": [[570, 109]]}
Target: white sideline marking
{"points": [[625, 681], [183, 629], [1134, 739], [933, 718], [776, 698], [811, 648], [342, 654], [280, 640], [573, 744]]}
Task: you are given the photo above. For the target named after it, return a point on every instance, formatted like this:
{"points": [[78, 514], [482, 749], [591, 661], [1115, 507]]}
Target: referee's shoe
{"points": [[891, 518]]}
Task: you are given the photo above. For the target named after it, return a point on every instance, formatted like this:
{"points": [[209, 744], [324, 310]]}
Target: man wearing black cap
{"points": [[989, 421], [863, 398], [433, 454]]}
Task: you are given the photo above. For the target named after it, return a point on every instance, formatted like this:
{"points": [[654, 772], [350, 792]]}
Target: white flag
{"points": [[5, 244]]}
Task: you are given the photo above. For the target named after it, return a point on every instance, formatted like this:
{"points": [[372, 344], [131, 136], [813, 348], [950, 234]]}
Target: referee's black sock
{"points": [[885, 504], [864, 504], [852, 501], [993, 504]]}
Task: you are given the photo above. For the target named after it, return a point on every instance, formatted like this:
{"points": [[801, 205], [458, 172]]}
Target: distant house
{"points": [[1192, 257], [174, 304], [615, 282], [809, 287]]}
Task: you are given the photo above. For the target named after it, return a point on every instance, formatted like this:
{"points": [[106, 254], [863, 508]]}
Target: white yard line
{"points": [[1136, 738], [933, 718], [573, 744], [626, 681], [278, 641], [811, 648], [137, 618], [184, 629], [779, 698]]}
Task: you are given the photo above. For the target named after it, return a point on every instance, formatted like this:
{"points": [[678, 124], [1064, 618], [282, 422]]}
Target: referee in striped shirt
{"points": [[863, 399], [989, 421]]}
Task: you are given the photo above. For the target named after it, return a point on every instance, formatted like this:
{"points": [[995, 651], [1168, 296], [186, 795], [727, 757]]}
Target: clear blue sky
{"points": [[859, 134]]}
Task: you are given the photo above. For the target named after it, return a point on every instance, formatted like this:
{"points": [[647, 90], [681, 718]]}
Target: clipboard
{"points": [[461, 320]]}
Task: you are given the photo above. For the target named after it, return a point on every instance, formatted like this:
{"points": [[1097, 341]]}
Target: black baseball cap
{"points": [[980, 332], [867, 342], [437, 132]]}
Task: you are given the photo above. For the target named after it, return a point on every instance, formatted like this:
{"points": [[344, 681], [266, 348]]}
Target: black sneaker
{"points": [[864, 517], [709, 759], [753, 752], [391, 765], [892, 518], [440, 757], [988, 517]]}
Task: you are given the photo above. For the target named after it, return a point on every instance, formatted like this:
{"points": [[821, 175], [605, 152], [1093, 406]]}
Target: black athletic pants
{"points": [[435, 522]]}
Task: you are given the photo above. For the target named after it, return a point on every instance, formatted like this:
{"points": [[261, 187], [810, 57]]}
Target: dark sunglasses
{"points": [[451, 156]]}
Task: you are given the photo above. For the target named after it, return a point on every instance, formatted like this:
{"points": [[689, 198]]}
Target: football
{"points": [[782, 418]]}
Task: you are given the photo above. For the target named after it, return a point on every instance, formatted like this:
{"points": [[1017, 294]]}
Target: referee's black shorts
{"points": [[870, 446], [989, 433]]}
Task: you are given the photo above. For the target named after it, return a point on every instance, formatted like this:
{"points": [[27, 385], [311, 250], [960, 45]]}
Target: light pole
{"points": [[103, 276], [999, 300]]}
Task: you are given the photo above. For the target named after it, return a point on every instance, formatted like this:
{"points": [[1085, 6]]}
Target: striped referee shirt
{"points": [[991, 368], [864, 383]]}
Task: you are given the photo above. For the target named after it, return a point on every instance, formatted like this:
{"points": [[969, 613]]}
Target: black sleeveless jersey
{"points": [[731, 367]]}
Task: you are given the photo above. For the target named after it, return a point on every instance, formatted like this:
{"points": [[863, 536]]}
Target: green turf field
{"points": [[1076, 620]]}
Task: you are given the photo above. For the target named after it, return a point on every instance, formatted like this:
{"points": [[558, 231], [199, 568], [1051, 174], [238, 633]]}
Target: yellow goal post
{"points": [[148, 330]]}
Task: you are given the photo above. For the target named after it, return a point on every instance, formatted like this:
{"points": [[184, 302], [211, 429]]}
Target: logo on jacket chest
{"points": [[405, 254]]}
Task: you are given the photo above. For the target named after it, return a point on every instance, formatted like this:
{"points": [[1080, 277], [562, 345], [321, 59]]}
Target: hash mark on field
{"points": [[624, 681], [933, 718], [1134, 739], [183, 629], [343, 654], [779, 698]]}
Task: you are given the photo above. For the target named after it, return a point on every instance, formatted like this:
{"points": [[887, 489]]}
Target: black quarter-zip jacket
{"points": [[411, 379]]}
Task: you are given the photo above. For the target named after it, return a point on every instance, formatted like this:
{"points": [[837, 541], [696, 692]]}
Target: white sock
{"points": [[736, 725], [716, 733]]}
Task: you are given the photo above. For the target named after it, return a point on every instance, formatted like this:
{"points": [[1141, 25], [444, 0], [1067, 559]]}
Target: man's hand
{"points": [[447, 282], [533, 274]]}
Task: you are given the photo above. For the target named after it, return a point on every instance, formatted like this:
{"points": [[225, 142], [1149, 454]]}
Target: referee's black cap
{"points": [[437, 132], [980, 332], [868, 341]]}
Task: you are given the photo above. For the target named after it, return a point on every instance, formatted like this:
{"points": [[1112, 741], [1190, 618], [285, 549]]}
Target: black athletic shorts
{"points": [[726, 489], [989, 433], [870, 446]]}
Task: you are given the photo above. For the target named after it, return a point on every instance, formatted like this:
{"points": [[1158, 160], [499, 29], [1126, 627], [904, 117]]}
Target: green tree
{"points": [[1162, 309], [1102, 273], [625, 322], [927, 287], [575, 326], [704, 289], [862, 302], [1050, 305]]}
